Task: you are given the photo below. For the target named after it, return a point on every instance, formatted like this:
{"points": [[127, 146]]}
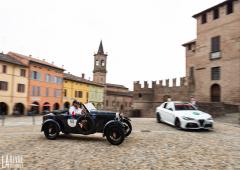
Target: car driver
{"points": [[76, 109]]}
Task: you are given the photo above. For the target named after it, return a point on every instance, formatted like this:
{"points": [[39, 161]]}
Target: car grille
{"points": [[191, 125], [201, 122], [208, 126]]}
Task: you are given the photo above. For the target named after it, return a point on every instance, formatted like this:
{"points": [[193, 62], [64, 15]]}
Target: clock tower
{"points": [[100, 63]]}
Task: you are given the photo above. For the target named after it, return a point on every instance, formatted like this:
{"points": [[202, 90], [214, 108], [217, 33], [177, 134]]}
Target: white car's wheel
{"points": [[158, 116], [178, 123]]}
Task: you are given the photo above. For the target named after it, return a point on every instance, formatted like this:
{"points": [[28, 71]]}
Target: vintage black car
{"points": [[113, 125]]}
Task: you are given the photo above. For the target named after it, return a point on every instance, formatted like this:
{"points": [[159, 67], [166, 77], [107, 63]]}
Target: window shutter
{"points": [[39, 76], [32, 75], [216, 44]]}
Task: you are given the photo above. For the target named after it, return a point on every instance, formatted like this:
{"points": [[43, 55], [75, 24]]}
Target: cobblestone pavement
{"points": [[150, 146]]}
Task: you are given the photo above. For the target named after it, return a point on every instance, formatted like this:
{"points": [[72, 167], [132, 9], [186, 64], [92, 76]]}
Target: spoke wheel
{"points": [[115, 135], [51, 131]]}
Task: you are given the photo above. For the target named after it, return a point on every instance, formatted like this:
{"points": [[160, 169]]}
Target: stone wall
{"points": [[146, 99]]}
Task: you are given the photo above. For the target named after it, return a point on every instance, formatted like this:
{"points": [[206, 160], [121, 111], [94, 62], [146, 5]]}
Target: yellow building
{"points": [[13, 86], [74, 88]]}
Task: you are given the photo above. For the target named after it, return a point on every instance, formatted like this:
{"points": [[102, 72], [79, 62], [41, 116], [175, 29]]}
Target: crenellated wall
{"points": [[146, 98]]}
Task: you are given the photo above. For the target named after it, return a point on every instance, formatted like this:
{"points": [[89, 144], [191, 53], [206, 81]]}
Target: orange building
{"points": [[45, 84]]}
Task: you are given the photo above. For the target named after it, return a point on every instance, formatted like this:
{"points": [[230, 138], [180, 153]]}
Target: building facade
{"points": [[212, 66], [78, 88], [116, 97], [213, 58], [13, 86], [96, 95], [45, 84]]}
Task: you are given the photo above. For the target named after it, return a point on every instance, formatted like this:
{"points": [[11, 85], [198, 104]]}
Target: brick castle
{"points": [[212, 66]]}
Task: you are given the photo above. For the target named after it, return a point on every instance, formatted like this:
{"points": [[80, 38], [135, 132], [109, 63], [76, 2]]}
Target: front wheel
{"points": [[51, 131], [178, 124], [158, 118], [115, 135], [127, 127]]}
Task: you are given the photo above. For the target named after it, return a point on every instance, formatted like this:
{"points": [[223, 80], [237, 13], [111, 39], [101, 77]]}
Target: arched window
{"points": [[66, 105], [102, 63], [97, 63], [56, 106], [18, 109], [215, 93], [35, 107], [46, 106], [3, 108]]}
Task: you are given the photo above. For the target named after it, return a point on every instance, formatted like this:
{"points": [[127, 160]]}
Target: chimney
{"points": [[83, 75], [30, 55], [44, 60], [62, 66], [52, 62]]}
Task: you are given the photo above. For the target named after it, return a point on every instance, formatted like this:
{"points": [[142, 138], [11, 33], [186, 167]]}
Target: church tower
{"points": [[100, 63]]}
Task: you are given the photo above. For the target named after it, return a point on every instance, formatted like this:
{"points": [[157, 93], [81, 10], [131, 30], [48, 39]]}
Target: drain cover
{"points": [[145, 131]]}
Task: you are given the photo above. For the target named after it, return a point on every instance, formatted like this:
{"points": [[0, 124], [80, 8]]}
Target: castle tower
{"points": [[100, 63]]}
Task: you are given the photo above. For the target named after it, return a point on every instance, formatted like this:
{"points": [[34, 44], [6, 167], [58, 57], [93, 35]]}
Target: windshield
{"points": [[184, 106], [90, 107]]}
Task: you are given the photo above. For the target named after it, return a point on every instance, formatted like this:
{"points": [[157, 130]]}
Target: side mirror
{"points": [[170, 109]]}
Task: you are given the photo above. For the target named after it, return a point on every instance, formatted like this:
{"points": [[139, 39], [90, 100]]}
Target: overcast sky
{"points": [[143, 38]]}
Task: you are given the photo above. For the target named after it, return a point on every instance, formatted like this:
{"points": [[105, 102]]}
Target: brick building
{"points": [[213, 59], [212, 66], [116, 97]]}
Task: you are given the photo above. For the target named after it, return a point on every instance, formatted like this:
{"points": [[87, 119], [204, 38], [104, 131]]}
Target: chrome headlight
{"points": [[118, 115], [187, 118]]}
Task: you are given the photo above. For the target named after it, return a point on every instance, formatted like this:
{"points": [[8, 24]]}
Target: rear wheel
{"points": [[87, 125], [51, 131], [115, 135], [178, 124]]}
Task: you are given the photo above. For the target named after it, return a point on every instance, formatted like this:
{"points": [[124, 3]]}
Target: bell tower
{"points": [[100, 63]]}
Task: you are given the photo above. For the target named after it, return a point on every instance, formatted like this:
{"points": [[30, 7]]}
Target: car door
{"points": [[163, 112], [172, 115], [169, 113]]}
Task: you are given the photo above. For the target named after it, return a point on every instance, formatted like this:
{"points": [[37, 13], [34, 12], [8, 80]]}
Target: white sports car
{"points": [[183, 115]]}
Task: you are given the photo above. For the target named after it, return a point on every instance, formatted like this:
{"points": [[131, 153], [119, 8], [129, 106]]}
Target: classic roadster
{"points": [[113, 125]]}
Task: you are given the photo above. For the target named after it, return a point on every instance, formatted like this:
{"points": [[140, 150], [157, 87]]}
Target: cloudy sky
{"points": [[142, 37]]}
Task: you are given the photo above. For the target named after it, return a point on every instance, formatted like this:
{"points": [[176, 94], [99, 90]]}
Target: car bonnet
{"points": [[196, 114]]}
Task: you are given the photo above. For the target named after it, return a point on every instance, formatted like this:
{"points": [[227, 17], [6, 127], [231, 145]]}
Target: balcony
{"points": [[215, 55]]}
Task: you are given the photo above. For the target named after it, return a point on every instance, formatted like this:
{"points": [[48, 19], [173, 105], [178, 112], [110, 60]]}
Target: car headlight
{"points": [[210, 118], [188, 118], [117, 115]]}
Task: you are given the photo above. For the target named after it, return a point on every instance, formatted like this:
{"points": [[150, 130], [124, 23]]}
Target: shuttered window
{"points": [[215, 73], [215, 44], [3, 85], [21, 88]]}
